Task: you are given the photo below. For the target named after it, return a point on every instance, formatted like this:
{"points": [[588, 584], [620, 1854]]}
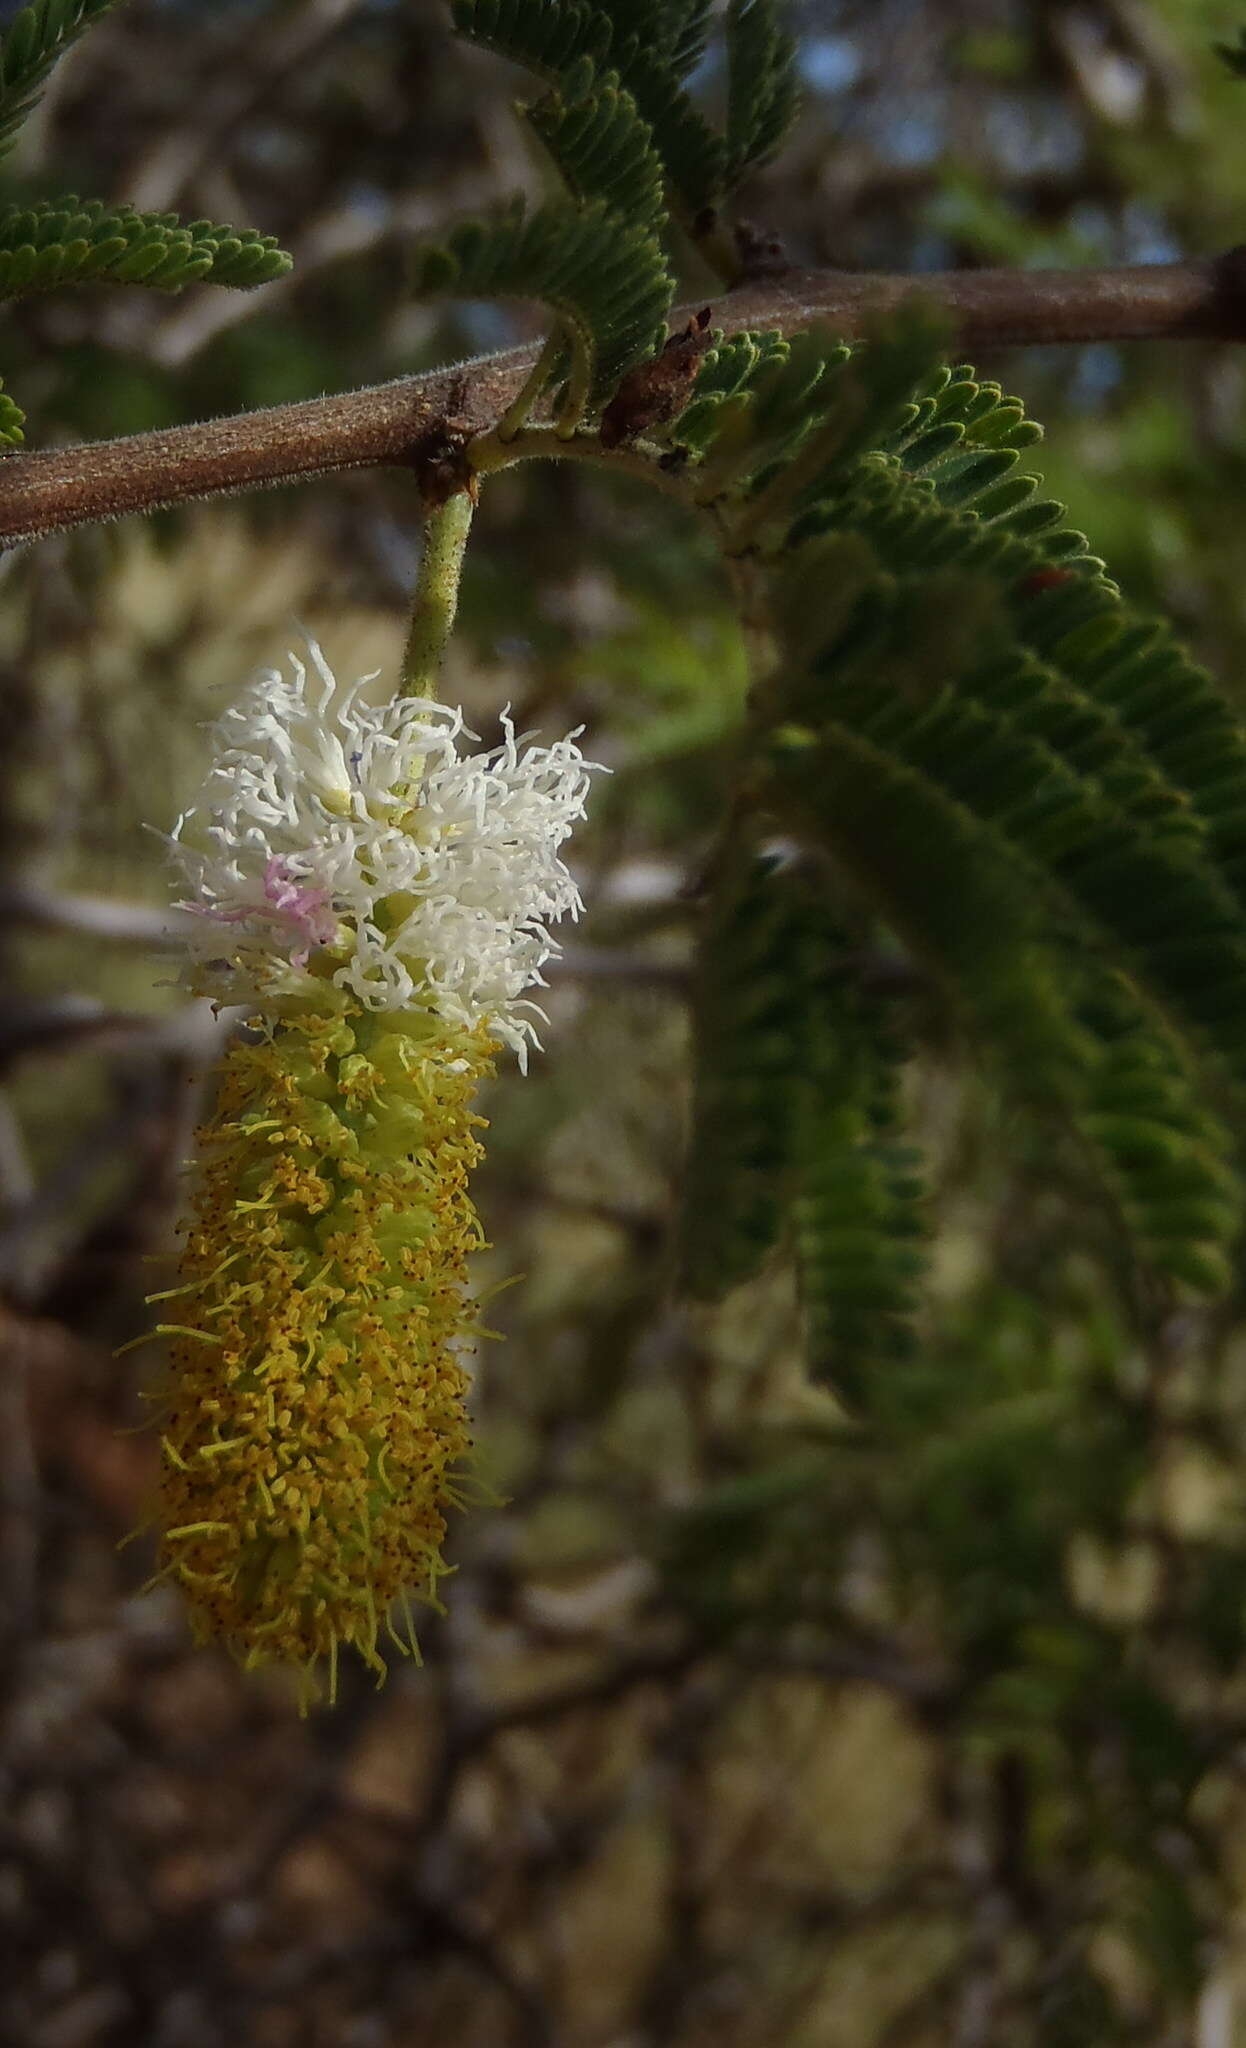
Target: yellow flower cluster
{"points": [[315, 1416]]}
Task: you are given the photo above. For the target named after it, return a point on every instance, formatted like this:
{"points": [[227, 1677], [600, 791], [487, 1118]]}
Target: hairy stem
{"points": [[489, 452], [446, 528], [397, 423], [575, 402], [521, 405]]}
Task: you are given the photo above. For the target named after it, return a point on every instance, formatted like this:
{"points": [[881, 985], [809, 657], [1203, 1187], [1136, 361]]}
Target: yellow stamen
{"points": [[316, 1398]]}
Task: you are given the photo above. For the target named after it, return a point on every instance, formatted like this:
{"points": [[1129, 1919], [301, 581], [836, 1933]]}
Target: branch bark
{"points": [[416, 422]]}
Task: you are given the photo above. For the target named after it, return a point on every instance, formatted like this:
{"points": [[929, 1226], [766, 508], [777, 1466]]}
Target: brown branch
{"points": [[406, 423]]}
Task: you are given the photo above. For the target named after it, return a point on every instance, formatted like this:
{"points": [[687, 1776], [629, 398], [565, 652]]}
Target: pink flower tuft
{"points": [[307, 911]]}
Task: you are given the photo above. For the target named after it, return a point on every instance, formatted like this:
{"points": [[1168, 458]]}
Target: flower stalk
{"points": [[516, 414], [433, 613]]}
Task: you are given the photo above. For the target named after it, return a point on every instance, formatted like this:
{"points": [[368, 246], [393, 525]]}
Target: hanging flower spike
{"points": [[383, 901]]}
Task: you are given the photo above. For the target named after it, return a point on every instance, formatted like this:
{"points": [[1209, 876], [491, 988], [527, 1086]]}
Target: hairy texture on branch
{"points": [[423, 422]]}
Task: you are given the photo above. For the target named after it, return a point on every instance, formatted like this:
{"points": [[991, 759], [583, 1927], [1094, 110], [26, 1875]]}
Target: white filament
{"points": [[336, 840]]}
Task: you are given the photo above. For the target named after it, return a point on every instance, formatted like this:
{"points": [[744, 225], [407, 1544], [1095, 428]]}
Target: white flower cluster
{"points": [[336, 839]]}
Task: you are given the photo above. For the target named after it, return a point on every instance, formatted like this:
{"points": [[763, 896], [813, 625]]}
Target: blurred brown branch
{"points": [[415, 420]]}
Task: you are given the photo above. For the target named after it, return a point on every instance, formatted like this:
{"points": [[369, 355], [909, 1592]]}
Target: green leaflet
{"points": [[645, 47], [1137, 668], [606, 277], [727, 372], [12, 419], [802, 411], [761, 86], [794, 1125], [1043, 703], [1107, 1069], [603, 150], [1167, 1156], [553, 36], [650, 46], [860, 1194], [687, 24], [1040, 795], [1126, 676], [693, 155], [909, 851], [896, 679], [747, 1064], [29, 48], [1124, 839], [626, 139], [550, 39], [74, 241]]}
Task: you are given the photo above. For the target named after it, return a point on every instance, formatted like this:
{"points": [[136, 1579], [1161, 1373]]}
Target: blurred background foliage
{"points": [[743, 1725]]}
